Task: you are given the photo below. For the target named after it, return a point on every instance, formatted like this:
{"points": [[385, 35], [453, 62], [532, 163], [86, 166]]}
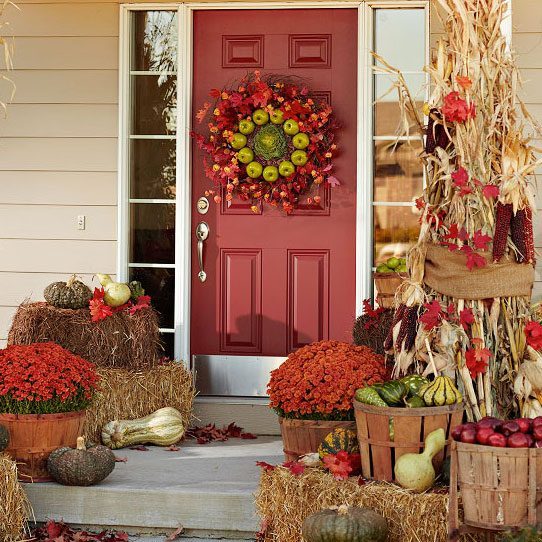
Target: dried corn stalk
{"points": [[478, 203], [6, 46]]}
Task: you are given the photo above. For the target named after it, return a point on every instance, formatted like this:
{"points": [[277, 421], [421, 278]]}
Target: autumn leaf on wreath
{"points": [[333, 181], [480, 240], [295, 467], [200, 115], [432, 316], [466, 318], [490, 191], [215, 93]]}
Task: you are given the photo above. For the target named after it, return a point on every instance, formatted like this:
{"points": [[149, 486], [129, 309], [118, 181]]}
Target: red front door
{"points": [[275, 282]]}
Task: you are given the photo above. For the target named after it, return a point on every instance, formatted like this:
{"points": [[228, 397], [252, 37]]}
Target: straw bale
{"points": [[120, 340], [126, 394], [283, 501], [14, 506]]}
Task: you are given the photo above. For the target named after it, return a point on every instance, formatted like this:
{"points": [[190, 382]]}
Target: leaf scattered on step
{"points": [[175, 534], [172, 448], [121, 459], [211, 433], [139, 448], [54, 531]]}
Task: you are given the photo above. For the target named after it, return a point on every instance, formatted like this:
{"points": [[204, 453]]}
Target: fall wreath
{"points": [[269, 140]]}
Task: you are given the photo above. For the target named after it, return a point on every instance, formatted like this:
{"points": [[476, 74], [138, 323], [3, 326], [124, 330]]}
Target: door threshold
{"points": [[258, 401]]}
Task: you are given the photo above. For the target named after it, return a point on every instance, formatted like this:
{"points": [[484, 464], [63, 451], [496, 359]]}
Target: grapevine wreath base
{"points": [[284, 500], [268, 141]]}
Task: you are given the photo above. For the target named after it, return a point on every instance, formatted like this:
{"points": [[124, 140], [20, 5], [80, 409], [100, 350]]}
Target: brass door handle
{"points": [[202, 232]]}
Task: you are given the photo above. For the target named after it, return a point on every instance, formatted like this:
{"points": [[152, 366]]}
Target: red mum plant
{"points": [[44, 378], [319, 380]]}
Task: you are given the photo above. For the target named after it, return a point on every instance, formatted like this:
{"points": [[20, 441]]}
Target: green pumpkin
{"points": [[4, 438], [345, 524], [393, 392], [369, 396], [414, 383], [81, 466], [340, 439], [414, 402]]}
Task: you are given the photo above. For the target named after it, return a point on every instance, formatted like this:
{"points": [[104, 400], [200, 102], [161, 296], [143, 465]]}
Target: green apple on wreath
{"points": [[269, 141]]}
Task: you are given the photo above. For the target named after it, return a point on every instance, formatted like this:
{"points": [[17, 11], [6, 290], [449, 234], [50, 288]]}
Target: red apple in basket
{"points": [[483, 434], [509, 427], [497, 440], [468, 435], [525, 424], [537, 432], [488, 421], [537, 421], [538, 444], [518, 440]]}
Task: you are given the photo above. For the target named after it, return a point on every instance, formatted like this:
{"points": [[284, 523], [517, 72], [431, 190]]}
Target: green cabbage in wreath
{"points": [[269, 142]]}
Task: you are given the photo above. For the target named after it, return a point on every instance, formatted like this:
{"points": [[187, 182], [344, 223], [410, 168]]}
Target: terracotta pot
{"points": [[34, 436], [301, 437]]}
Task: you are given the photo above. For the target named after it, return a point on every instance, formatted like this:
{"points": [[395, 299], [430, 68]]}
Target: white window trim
{"points": [[183, 234]]}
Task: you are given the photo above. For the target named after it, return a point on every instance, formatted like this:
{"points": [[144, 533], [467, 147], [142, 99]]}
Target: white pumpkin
{"points": [[115, 293]]}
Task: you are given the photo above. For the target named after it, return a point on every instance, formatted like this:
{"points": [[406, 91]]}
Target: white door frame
{"points": [[183, 233]]}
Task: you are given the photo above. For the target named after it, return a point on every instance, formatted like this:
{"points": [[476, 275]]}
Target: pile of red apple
{"points": [[520, 433]]}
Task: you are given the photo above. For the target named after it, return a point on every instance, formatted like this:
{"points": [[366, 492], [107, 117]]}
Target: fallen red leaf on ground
{"points": [[54, 531], [211, 432]]}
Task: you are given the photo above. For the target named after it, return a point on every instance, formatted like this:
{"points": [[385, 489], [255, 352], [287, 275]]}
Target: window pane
{"points": [[399, 37], [154, 41], [152, 233], [398, 171], [395, 231], [152, 168], [387, 112], [154, 104], [160, 285], [168, 345]]}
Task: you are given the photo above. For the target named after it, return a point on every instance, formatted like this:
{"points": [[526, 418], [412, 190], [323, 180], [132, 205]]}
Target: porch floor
{"points": [[209, 489]]}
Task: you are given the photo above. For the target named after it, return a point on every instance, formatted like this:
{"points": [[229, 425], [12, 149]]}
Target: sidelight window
{"points": [[150, 160], [400, 37]]}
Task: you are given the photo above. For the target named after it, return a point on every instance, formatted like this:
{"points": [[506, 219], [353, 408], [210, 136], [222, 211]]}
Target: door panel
{"points": [[276, 282]]}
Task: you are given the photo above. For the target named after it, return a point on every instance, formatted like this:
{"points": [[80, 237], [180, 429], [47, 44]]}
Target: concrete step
{"points": [[209, 489]]}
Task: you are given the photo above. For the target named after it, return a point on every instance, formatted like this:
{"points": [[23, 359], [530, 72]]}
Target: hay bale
{"points": [[121, 340], [14, 506], [372, 331], [284, 501], [126, 394]]}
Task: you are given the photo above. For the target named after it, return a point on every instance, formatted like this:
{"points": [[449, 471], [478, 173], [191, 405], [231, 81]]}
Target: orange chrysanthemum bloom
{"points": [[319, 380]]}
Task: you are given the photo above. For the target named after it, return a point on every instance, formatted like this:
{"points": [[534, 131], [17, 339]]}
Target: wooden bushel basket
{"points": [[386, 286], [501, 488], [301, 437], [410, 427]]}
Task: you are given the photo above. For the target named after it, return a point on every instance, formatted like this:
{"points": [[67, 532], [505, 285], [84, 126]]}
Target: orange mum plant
{"points": [[319, 380]]}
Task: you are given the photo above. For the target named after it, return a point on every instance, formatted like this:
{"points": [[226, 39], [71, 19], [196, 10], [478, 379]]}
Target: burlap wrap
{"points": [[446, 272]]}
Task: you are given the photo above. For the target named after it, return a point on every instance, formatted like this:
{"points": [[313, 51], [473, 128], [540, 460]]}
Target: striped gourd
{"points": [[338, 440], [441, 391]]}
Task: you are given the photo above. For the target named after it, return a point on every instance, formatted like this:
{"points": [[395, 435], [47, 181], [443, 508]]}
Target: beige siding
{"points": [[58, 149]]}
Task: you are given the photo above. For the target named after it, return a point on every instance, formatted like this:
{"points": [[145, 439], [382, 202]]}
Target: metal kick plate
{"points": [[234, 376]]}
